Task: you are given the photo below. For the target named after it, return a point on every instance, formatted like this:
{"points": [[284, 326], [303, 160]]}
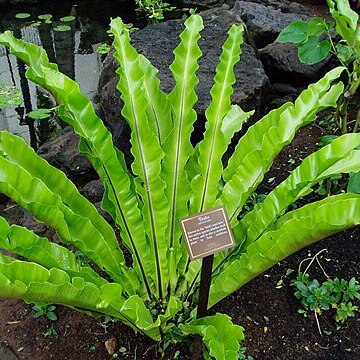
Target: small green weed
{"points": [[242, 354], [331, 294], [345, 310], [81, 258], [106, 323], [253, 199], [338, 294], [121, 352], [280, 283], [50, 332], [328, 124], [46, 310], [335, 184]]}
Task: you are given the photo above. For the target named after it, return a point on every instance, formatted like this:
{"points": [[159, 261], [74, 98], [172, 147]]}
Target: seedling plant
{"points": [[51, 331], [337, 294], [45, 310]]}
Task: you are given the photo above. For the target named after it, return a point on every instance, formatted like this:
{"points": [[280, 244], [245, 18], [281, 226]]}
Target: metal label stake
{"points": [[205, 282], [206, 233]]}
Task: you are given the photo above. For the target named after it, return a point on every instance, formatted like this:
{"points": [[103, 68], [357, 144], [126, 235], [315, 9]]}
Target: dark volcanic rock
{"points": [[206, 3], [264, 23], [63, 153], [282, 65], [93, 191], [6, 353], [157, 43], [287, 6]]}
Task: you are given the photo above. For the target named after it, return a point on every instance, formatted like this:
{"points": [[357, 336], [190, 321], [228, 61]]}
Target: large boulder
{"points": [[282, 64], [265, 19], [63, 153], [157, 43]]}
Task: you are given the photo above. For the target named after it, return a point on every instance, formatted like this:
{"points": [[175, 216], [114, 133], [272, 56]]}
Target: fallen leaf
{"points": [[111, 345]]}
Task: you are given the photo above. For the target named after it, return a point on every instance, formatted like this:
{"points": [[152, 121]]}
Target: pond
{"points": [[74, 50]]}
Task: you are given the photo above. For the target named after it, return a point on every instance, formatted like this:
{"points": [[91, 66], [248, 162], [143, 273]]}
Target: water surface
{"points": [[73, 50]]}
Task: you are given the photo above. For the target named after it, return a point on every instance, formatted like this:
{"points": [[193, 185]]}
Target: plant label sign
{"points": [[207, 233]]}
